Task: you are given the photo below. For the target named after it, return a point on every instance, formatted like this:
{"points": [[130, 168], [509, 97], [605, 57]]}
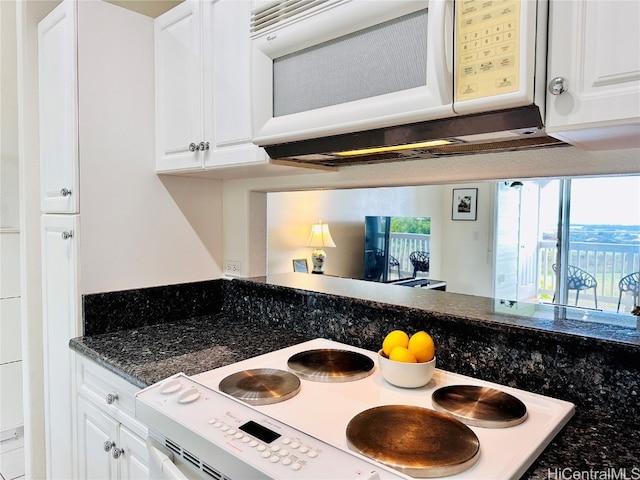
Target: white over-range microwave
{"points": [[336, 75]]}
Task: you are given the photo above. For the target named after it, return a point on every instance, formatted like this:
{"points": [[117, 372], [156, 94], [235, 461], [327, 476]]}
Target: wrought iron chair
{"points": [[629, 284], [394, 263], [579, 279], [420, 262]]}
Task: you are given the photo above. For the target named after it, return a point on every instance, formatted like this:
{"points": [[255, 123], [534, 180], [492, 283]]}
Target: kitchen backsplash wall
{"points": [[113, 311], [597, 375]]}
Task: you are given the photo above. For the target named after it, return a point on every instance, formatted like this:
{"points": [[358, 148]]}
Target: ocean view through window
{"points": [[575, 242]]}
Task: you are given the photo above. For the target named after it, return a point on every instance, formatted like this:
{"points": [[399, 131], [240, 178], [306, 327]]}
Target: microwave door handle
{"points": [[163, 463], [448, 35], [441, 20]]}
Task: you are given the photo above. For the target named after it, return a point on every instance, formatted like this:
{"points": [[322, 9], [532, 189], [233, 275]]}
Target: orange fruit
{"points": [[422, 346], [402, 354], [397, 338]]}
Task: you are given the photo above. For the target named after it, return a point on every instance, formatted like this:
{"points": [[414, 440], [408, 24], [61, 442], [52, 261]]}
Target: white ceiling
{"points": [[151, 8]]}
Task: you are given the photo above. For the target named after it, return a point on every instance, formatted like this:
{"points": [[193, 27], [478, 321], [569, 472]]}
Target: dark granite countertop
{"points": [[591, 443], [555, 321], [148, 354]]}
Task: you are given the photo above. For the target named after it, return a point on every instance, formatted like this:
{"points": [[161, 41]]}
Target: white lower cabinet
{"points": [[110, 441], [61, 322], [95, 430], [135, 464]]}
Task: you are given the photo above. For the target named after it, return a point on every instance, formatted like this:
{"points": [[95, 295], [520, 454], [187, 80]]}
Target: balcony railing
{"points": [[607, 262], [400, 247]]}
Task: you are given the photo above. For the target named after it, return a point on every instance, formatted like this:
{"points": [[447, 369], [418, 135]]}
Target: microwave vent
{"points": [[275, 13], [332, 161]]}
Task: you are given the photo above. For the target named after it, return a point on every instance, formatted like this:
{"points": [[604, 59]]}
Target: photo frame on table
{"points": [[464, 205], [300, 265]]}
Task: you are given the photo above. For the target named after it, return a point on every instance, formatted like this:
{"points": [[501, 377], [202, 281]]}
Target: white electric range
{"points": [[201, 432]]}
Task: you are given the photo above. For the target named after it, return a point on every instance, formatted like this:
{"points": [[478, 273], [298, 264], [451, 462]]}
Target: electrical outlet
{"points": [[232, 268]]}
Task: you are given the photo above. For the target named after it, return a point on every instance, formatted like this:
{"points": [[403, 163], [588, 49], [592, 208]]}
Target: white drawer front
{"points": [[108, 392]]}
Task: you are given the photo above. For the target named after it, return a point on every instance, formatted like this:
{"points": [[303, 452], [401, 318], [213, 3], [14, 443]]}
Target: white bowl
{"points": [[406, 375]]}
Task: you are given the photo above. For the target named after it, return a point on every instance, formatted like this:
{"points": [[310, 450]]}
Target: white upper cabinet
{"points": [[594, 51], [228, 79], [58, 91], [179, 84], [203, 75]]}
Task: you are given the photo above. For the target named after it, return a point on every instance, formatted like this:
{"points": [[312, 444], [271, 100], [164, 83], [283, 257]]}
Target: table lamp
{"points": [[319, 239]]}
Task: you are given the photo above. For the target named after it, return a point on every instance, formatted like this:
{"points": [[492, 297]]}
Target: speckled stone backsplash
{"points": [[114, 311], [599, 376]]}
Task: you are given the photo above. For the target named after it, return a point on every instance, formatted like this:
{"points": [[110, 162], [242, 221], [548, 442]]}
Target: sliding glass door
{"points": [[587, 241], [516, 238]]}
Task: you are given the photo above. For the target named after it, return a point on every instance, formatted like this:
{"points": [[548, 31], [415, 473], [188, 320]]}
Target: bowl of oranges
{"points": [[407, 362]]}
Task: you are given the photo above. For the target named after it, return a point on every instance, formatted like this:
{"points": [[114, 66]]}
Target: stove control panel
{"points": [[220, 433]]}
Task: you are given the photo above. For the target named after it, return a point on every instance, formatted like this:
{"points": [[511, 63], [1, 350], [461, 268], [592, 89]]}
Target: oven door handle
{"points": [[163, 463]]}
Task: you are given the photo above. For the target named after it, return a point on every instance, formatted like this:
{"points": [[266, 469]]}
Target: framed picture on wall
{"points": [[464, 205], [300, 265]]}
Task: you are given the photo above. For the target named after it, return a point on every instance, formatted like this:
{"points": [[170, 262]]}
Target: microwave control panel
{"points": [[487, 48]]}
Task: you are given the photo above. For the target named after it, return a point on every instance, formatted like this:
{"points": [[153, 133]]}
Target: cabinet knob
{"points": [[108, 445], [557, 86], [117, 453], [67, 235], [65, 192], [111, 397], [202, 146]]}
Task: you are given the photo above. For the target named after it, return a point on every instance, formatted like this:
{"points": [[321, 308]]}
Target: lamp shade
{"points": [[320, 236]]}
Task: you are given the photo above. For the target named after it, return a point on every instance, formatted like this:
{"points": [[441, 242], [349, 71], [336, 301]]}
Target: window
{"points": [[568, 241]]}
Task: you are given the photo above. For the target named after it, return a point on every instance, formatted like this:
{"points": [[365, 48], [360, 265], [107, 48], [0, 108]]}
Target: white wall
{"points": [[290, 215], [467, 246], [11, 415], [27, 16], [245, 200], [460, 250], [137, 229]]}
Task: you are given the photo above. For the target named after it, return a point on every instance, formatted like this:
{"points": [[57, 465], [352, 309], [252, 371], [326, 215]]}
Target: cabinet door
{"points": [[595, 47], [134, 462], [94, 430], [227, 63], [179, 83], [58, 103], [61, 322]]}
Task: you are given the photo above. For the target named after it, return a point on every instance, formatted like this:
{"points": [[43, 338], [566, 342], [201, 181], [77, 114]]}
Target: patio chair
{"points": [[394, 263], [629, 284], [420, 262], [579, 279]]}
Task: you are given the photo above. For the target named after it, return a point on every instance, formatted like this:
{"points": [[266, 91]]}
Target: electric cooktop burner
{"points": [[480, 406], [261, 386], [416, 441], [330, 365]]}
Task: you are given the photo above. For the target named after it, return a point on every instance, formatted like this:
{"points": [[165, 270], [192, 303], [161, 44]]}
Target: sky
{"points": [[603, 200]]}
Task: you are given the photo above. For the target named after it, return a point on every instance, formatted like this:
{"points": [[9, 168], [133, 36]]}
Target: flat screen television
{"points": [[389, 243]]}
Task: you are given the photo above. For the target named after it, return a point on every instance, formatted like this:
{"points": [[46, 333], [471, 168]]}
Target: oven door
{"points": [[163, 466], [350, 66]]}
